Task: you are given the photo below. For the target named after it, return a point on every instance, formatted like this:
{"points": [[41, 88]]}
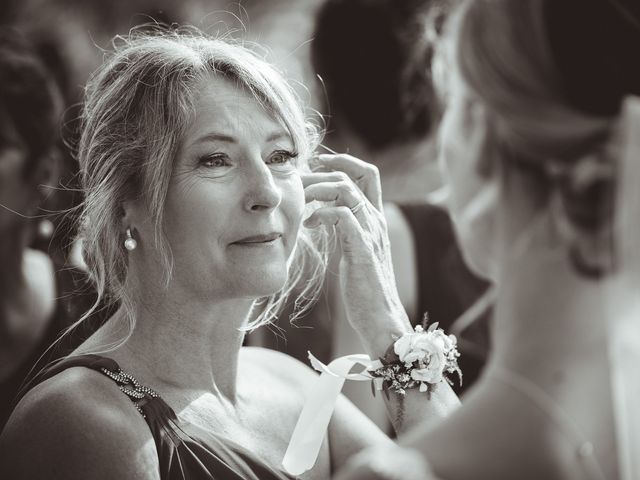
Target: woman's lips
{"points": [[257, 240]]}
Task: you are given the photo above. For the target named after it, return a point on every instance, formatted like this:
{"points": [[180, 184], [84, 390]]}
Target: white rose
{"points": [[421, 345], [421, 375], [416, 346], [435, 363], [436, 340], [413, 355], [448, 341], [402, 347]]}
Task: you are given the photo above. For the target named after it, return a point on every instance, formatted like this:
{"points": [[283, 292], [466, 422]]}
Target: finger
{"points": [[317, 177], [364, 174], [333, 216], [316, 166], [348, 230], [344, 194]]}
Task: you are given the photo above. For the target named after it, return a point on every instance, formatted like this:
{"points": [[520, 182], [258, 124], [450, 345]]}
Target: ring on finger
{"points": [[357, 207]]}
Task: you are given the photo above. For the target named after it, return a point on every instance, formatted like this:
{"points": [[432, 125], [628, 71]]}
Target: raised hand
{"points": [[371, 298]]}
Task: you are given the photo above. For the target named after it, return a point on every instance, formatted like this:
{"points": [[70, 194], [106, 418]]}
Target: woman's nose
{"points": [[262, 193]]}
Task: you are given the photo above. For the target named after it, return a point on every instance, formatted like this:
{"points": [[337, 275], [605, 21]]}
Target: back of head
{"points": [[556, 77], [573, 56], [374, 58], [553, 76]]}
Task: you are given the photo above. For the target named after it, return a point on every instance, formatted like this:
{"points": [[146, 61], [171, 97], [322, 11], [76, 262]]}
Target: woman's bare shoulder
{"points": [[349, 429], [282, 366], [77, 424]]}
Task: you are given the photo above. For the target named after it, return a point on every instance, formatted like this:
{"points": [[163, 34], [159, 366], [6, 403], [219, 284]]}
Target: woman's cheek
{"points": [[458, 158]]}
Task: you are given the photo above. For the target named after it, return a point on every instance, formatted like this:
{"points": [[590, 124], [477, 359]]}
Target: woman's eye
{"points": [[215, 161], [281, 157]]}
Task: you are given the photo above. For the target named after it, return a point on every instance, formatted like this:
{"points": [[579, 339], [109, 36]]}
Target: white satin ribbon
{"points": [[309, 432], [624, 299]]}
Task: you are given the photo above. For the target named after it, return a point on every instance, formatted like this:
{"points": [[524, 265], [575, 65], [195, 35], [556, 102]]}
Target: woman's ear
{"points": [[127, 216]]}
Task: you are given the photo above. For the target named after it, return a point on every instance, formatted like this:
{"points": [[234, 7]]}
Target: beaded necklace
{"points": [[130, 387]]}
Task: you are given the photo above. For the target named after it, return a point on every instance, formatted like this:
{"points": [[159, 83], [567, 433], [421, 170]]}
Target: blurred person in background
{"points": [[46, 55], [541, 149], [30, 314], [68, 36], [374, 60]]}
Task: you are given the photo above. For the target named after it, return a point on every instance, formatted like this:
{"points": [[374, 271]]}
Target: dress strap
{"points": [[128, 385], [565, 425]]}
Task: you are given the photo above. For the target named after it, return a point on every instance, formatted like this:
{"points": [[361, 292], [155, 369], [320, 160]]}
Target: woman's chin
{"points": [[265, 282]]}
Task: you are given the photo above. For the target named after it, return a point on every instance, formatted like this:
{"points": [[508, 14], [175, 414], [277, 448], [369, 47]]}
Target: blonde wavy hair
{"points": [[137, 107]]}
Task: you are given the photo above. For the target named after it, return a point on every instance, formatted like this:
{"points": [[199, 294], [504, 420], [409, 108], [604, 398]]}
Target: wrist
{"points": [[422, 359], [377, 339]]}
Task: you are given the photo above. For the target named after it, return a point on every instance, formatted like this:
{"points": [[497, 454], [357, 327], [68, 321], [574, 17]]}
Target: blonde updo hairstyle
{"points": [[137, 107], [523, 62]]}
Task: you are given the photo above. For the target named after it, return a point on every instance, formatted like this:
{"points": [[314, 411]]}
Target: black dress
{"points": [[446, 286], [185, 451]]}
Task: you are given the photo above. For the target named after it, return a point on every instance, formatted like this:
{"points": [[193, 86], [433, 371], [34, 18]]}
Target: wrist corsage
{"points": [[421, 359]]}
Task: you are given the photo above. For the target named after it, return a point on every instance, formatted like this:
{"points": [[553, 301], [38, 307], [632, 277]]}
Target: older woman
{"points": [[191, 154], [541, 149]]}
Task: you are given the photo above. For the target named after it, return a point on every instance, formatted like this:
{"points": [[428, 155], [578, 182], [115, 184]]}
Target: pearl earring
{"points": [[130, 242]]}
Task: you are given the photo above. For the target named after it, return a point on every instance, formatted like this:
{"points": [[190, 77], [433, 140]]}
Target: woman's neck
{"points": [[182, 346], [548, 320]]}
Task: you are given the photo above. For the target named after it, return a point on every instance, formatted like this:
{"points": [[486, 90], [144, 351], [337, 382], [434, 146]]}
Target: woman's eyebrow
{"points": [[278, 135], [222, 137], [216, 137]]}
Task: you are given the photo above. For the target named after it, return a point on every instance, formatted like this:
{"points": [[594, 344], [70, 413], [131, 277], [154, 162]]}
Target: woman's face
{"points": [[472, 196], [235, 201]]}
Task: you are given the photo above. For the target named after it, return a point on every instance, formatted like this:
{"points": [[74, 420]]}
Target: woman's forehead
{"points": [[224, 109]]}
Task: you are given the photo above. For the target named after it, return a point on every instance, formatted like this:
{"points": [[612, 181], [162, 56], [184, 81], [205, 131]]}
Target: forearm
{"points": [[414, 407], [419, 408], [368, 286]]}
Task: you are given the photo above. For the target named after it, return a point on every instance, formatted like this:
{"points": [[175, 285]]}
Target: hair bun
{"points": [[586, 191], [595, 45]]}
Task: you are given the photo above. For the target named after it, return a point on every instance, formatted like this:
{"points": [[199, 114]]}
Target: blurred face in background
{"points": [[17, 194], [30, 107], [473, 194]]}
